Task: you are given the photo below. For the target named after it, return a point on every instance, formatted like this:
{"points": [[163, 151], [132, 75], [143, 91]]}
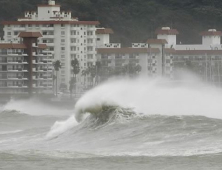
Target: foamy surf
{"points": [[143, 120]]}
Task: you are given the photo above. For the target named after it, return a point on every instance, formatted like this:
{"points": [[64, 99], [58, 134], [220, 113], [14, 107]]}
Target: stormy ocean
{"points": [[121, 124]]}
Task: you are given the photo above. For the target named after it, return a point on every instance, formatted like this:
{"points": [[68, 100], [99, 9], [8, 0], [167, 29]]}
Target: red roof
{"points": [[12, 46], [50, 22], [30, 34], [207, 33], [198, 52], [167, 32], [104, 31], [127, 50], [156, 41]]}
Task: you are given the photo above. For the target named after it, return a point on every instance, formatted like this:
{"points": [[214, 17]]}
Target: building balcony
{"points": [[13, 78], [3, 62], [50, 44], [13, 86], [48, 36], [38, 86], [74, 43], [17, 62], [15, 70], [19, 78], [18, 28], [47, 29]]}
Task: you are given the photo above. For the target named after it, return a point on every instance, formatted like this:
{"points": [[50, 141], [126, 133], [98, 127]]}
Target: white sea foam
{"points": [[155, 96], [34, 107], [61, 126], [10, 132]]}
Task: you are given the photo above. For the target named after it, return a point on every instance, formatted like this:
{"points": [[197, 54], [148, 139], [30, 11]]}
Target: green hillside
{"points": [[135, 20]]}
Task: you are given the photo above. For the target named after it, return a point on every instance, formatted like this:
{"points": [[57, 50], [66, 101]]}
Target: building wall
{"points": [[14, 72], [211, 40], [171, 39], [102, 39]]}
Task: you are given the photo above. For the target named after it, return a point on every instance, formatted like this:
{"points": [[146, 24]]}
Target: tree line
{"points": [[95, 73]]}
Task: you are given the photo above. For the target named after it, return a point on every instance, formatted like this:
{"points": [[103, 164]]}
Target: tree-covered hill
{"points": [[135, 20]]}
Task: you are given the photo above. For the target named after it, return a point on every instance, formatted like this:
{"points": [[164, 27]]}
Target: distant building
{"points": [[163, 56], [25, 68]]}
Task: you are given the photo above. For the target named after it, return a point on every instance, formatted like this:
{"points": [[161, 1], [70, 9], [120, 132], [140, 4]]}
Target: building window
{"points": [[89, 48], [89, 33], [73, 48], [62, 32], [63, 40], [89, 64], [73, 56], [98, 39], [89, 56], [90, 40], [73, 40], [118, 56], [73, 32], [104, 56], [63, 48], [50, 32], [62, 25], [9, 33], [16, 33]]}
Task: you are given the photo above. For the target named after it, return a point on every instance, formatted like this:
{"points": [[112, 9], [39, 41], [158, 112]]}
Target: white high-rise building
{"points": [[66, 37]]}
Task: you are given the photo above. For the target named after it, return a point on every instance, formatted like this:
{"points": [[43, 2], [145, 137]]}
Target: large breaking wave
{"points": [[153, 97], [141, 97]]}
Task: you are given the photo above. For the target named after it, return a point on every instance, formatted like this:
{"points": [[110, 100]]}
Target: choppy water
{"points": [[176, 132]]}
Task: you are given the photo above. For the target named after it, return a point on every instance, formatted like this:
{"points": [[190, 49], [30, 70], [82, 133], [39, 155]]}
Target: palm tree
{"points": [[57, 66], [98, 71], [92, 72], [132, 69], [75, 70], [84, 74]]}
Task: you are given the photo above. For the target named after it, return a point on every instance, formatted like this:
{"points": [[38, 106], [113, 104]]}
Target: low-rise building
{"points": [[25, 68], [164, 57]]}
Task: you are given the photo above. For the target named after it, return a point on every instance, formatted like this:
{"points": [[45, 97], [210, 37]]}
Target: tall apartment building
{"points": [[25, 68], [66, 37]]}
